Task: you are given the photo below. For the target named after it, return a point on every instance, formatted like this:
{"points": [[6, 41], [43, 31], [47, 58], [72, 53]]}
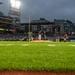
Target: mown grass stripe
{"points": [[1, 44], [6, 44], [72, 45], [51, 45], [25, 44]]}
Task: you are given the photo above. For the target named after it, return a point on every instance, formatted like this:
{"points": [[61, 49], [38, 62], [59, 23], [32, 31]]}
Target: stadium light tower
{"points": [[12, 3], [15, 8], [15, 4], [18, 4]]}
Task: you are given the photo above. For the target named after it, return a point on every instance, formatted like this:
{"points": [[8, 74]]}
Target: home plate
{"points": [[72, 45], [25, 44], [51, 45]]}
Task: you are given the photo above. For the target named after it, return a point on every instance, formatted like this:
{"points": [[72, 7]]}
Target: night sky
{"points": [[49, 9]]}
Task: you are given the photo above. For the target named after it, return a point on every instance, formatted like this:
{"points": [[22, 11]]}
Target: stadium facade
{"points": [[60, 26], [7, 23], [47, 29]]}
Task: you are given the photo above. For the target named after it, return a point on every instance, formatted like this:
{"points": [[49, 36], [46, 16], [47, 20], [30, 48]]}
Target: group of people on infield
{"points": [[65, 37]]}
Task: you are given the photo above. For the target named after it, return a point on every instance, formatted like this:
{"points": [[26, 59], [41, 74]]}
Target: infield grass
{"points": [[41, 56]]}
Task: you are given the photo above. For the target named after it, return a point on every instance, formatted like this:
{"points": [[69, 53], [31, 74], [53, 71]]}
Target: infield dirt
{"points": [[34, 73]]}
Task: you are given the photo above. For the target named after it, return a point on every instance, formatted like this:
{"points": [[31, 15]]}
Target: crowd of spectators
{"points": [[13, 37], [24, 37]]}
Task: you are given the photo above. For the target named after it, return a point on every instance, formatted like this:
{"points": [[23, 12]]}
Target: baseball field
{"points": [[37, 56]]}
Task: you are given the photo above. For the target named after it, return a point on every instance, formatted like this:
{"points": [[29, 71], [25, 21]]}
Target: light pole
{"points": [[29, 29]]}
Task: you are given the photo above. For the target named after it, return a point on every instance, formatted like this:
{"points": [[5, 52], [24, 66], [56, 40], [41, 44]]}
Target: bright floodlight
{"points": [[12, 2], [18, 4], [15, 4]]}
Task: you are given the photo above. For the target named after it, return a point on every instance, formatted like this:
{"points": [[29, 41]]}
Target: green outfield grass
{"points": [[33, 56]]}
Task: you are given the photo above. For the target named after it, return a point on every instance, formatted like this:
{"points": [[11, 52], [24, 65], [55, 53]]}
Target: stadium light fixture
{"points": [[18, 4], [15, 4], [15, 7], [12, 3]]}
